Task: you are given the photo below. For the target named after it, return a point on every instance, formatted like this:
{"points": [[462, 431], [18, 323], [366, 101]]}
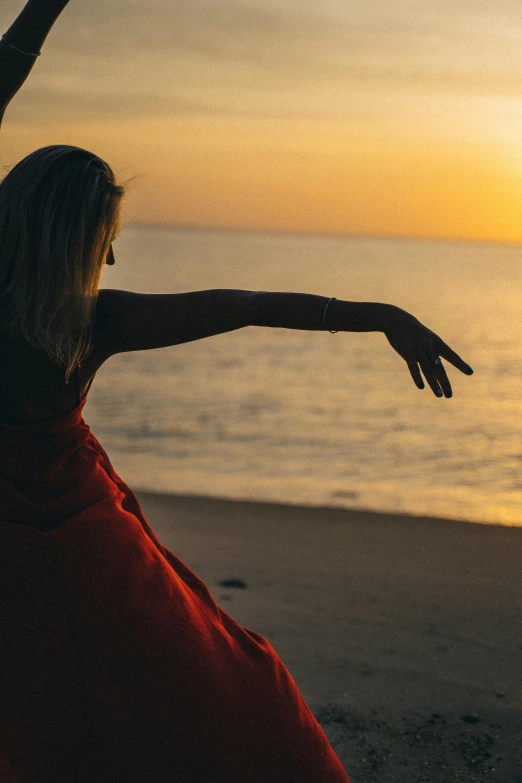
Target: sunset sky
{"points": [[389, 118]]}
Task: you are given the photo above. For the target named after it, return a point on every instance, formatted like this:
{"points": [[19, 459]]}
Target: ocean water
{"points": [[316, 418]]}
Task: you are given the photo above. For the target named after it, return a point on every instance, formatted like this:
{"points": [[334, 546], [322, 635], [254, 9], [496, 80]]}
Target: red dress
{"points": [[116, 663]]}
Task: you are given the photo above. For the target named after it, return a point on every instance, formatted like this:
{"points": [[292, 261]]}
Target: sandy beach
{"points": [[402, 633]]}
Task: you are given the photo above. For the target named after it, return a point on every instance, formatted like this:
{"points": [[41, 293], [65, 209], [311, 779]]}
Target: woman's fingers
{"points": [[415, 374], [443, 380], [421, 346], [454, 358], [433, 374], [438, 371]]}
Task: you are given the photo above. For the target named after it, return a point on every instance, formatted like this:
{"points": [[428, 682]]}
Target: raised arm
{"points": [[26, 35]]}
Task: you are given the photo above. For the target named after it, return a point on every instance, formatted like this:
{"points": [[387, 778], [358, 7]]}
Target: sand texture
{"points": [[404, 634]]}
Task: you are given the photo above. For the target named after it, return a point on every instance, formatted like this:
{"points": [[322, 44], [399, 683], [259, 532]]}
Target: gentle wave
{"points": [[307, 417]]}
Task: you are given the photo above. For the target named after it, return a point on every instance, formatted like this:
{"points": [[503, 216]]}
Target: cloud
{"points": [[70, 103], [267, 57]]}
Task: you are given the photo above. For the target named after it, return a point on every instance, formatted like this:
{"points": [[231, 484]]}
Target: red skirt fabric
{"points": [[116, 663]]}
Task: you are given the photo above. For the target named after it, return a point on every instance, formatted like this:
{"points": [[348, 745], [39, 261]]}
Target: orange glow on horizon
{"points": [[322, 175], [321, 118], [302, 182]]}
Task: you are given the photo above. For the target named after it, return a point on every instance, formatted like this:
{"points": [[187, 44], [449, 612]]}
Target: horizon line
{"points": [[327, 234]]}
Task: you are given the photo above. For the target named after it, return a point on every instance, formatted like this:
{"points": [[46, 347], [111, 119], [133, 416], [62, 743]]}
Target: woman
{"points": [[116, 663]]}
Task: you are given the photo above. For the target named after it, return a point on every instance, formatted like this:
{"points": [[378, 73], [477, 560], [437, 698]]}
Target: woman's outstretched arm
{"points": [[27, 33], [141, 322]]}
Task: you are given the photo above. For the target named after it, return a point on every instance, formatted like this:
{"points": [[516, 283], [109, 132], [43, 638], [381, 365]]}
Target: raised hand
{"points": [[27, 34], [418, 345]]}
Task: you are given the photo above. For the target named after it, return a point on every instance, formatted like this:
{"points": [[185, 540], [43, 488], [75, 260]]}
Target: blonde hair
{"points": [[59, 212]]}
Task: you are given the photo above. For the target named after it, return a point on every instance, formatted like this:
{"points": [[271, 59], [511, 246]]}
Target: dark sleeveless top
{"points": [[79, 398], [79, 386]]}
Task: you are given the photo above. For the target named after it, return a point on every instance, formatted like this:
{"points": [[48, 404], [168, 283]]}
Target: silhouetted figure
{"points": [[116, 663]]}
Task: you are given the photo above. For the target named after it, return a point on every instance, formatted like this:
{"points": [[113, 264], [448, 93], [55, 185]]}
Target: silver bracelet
{"points": [[29, 54], [332, 331]]}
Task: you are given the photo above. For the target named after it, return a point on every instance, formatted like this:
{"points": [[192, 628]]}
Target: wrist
{"points": [[387, 316], [360, 316], [393, 317], [32, 26]]}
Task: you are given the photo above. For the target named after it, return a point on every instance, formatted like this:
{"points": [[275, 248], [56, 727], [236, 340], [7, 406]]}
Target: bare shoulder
{"points": [[129, 321]]}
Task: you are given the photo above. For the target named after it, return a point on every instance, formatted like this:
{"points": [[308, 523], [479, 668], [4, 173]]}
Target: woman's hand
{"points": [[418, 345]]}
